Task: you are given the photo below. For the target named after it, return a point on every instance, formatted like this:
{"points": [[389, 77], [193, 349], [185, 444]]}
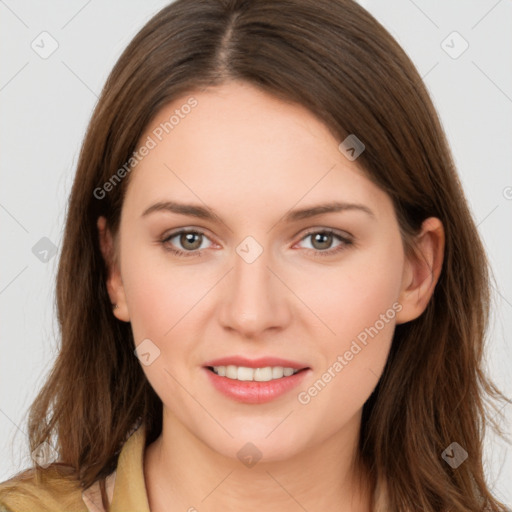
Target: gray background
{"points": [[47, 102]]}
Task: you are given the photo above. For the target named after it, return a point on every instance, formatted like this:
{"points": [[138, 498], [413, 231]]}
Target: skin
{"points": [[252, 158]]}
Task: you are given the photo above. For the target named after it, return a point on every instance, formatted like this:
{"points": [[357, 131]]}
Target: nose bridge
{"points": [[254, 299]]}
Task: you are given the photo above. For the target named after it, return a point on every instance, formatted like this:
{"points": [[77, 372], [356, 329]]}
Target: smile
{"points": [[245, 373], [254, 385]]}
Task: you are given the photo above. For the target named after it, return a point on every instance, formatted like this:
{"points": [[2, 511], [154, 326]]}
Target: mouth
{"points": [[257, 381], [245, 373]]}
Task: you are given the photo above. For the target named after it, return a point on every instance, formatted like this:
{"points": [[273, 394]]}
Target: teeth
{"points": [[264, 374], [245, 373], [231, 372], [277, 372], [256, 374]]}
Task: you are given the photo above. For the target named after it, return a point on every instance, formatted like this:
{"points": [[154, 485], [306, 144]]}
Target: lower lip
{"points": [[253, 392]]}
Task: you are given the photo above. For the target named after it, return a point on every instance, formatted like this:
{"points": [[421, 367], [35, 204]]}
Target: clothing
{"points": [[125, 486]]}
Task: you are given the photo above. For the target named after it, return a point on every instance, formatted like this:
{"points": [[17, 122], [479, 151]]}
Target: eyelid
{"points": [[344, 237], [323, 229], [346, 240], [190, 229]]}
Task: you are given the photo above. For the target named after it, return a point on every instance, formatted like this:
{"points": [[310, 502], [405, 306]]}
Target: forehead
{"points": [[241, 145]]}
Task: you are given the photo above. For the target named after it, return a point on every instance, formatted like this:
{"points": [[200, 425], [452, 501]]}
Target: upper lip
{"points": [[261, 362]]}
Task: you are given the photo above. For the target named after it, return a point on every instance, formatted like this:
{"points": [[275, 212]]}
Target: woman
{"points": [[344, 376]]}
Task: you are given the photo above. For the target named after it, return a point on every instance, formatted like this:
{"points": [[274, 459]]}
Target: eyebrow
{"points": [[294, 215]]}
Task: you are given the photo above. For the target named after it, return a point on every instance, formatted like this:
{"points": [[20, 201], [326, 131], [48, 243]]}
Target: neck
{"points": [[182, 473]]}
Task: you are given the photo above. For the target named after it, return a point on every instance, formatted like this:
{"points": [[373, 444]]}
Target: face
{"points": [[250, 278]]}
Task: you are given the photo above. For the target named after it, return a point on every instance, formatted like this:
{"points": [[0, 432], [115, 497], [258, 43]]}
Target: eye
{"points": [[190, 240], [322, 241]]}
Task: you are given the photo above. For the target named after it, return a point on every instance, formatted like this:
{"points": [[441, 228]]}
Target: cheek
{"points": [[358, 294], [360, 306], [165, 301], [161, 304], [161, 296]]}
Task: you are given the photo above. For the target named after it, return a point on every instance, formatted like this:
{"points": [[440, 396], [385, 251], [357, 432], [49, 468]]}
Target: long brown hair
{"points": [[334, 58]]}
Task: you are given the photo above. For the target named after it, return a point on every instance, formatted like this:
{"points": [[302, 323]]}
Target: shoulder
{"points": [[55, 489]]}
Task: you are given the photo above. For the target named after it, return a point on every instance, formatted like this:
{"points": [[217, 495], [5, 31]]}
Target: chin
{"points": [[258, 443]]}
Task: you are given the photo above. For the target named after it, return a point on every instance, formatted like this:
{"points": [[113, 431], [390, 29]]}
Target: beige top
{"points": [[125, 486]]}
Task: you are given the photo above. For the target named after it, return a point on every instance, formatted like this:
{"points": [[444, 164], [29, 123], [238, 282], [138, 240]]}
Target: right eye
{"points": [[188, 239]]}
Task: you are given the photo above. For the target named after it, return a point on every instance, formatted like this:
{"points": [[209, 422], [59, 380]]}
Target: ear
{"points": [[422, 271], [114, 282]]}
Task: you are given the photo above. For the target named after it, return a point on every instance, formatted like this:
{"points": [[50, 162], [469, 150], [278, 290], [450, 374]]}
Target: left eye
{"points": [[322, 240]]}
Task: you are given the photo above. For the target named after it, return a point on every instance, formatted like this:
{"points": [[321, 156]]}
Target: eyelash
{"points": [[346, 242]]}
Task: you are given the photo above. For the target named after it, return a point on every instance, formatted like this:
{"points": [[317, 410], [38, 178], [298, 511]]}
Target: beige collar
{"points": [[126, 488]]}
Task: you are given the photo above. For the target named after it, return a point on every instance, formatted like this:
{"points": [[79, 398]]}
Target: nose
{"points": [[254, 298]]}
